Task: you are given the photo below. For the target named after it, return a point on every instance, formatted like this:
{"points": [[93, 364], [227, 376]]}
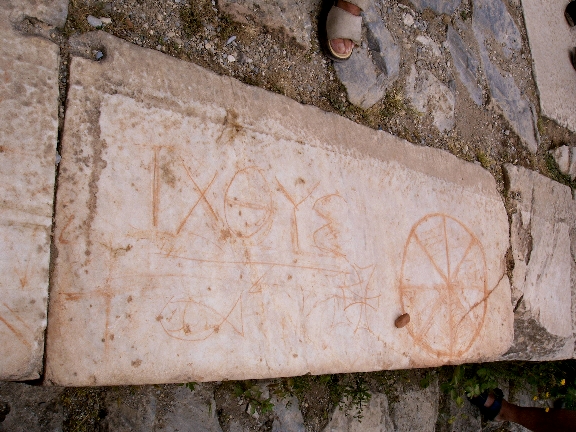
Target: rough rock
{"points": [[53, 12], [466, 64], [565, 157], [430, 44], [365, 83], [370, 71], [465, 418], [193, 411], [493, 26], [542, 230], [30, 408], [492, 19], [550, 40], [428, 95], [417, 410], [517, 109], [562, 157], [136, 412], [28, 135], [384, 50], [439, 6], [194, 212], [375, 417], [294, 18], [287, 416]]}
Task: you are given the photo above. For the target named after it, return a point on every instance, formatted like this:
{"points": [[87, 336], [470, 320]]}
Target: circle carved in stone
{"points": [[443, 286]]}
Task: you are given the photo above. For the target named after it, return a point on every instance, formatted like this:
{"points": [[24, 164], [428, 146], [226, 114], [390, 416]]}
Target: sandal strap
{"points": [[493, 410], [341, 24], [362, 4]]}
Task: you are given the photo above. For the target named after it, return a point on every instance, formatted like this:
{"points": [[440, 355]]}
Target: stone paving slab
{"points": [[551, 39], [543, 235], [209, 230], [293, 18], [53, 12], [375, 417], [28, 135]]}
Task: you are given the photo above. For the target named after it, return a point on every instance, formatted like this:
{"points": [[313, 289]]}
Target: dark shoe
{"points": [[492, 411], [573, 57], [570, 13]]}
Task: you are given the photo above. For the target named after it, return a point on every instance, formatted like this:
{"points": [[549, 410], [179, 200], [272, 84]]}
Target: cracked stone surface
{"points": [[438, 6], [53, 12], [30, 408], [417, 410], [291, 17], [171, 408], [375, 417], [543, 228], [551, 39], [28, 134], [428, 95], [287, 416], [494, 27], [466, 64], [240, 208], [565, 157]]}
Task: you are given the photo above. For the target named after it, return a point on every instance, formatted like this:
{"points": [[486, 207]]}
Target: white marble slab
{"points": [[551, 40], [209, 230], [28, 135], [543, 235]]}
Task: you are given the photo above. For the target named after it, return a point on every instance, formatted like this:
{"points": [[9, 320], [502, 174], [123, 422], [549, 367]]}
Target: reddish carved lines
{"points": [[294, 234], [327, 238], [248, 204], [61, 238], [444, 285], [13, 328], [192, 320], [202, 197]]}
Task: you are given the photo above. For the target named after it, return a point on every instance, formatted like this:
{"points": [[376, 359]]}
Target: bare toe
{"points": [[341, 46]]}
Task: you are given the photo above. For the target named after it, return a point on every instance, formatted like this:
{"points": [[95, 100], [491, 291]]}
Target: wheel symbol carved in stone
{"points": [[443, 286]]}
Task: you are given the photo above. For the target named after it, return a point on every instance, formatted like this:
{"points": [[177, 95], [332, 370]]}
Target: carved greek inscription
{"points": [[248, 249], [248, 203]]}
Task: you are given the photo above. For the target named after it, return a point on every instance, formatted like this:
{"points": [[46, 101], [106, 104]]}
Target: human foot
{"points": [[490, 404], [343, 27]]}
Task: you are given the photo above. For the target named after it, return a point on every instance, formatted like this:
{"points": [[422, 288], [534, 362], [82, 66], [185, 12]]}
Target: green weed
{"points": [[546, 380], [252, 394], [191, 385], [555, 174]]}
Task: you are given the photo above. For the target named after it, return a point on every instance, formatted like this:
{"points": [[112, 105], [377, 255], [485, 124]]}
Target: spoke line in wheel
{"points": [[428, 324], [423, 247], [468, 249], [446, 248], [450, 290]]}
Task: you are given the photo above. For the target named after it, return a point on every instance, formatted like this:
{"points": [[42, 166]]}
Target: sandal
{"points": [[493, 410], [570, 13], [341, 24]]}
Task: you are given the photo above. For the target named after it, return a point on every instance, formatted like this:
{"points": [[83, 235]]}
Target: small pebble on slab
{"points": [[402, 320]]}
